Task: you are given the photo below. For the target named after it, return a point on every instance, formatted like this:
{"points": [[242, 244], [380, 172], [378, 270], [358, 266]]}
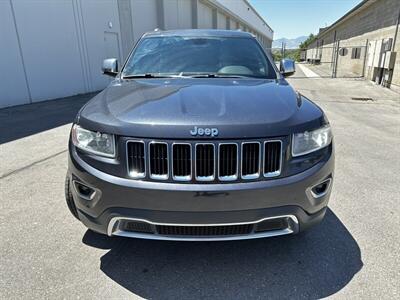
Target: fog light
{"points": [[83, 190], [321, 189]]}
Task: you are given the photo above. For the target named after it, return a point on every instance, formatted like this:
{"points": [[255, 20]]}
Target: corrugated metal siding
{"points": [[47, 58]]}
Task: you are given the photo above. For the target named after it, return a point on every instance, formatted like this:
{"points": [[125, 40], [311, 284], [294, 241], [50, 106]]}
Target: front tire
{"points": [[69, 198]]}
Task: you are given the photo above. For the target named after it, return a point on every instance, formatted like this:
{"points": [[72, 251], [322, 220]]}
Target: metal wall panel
{"points": [[49, 44], [205, 14], [178, 14], [13, 87], [144, 15], [125, 20], [55, 48], [221, 21], [184, 13], [102, 37], [233, 24]]}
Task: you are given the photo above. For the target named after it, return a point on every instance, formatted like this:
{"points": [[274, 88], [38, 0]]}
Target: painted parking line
{"points": [[308, 72]]}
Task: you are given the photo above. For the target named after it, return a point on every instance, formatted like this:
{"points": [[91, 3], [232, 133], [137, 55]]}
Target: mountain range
{"points": [[290, 43]]}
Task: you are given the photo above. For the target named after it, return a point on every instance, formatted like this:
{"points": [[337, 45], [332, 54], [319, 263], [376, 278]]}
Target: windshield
{"points": [[186, 56]]}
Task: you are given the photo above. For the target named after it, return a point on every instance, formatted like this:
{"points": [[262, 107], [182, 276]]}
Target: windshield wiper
{"points": [[213, 75], [185, 75], [148, 75]]}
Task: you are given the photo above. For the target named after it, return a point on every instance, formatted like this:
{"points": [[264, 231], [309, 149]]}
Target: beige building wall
{"points": [[373, 21]]}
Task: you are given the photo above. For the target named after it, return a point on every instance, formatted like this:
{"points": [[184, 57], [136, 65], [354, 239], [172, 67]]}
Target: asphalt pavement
{"points": [[353, 253]]}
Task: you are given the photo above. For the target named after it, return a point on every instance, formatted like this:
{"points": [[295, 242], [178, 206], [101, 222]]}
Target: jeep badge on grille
{"points": [[204, 131]]}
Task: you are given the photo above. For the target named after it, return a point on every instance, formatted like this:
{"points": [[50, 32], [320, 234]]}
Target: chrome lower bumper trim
{"points": [[114, 230]]}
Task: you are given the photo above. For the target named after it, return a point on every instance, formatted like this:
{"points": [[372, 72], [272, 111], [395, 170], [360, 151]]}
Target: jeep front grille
{"points": [[212, 162]]}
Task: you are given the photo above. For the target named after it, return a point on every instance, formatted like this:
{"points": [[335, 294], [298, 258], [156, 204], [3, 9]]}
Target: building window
{"points": [[356, 53]]}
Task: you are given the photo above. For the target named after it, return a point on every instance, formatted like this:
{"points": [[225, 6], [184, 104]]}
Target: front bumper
{"points": [[118, 200]]}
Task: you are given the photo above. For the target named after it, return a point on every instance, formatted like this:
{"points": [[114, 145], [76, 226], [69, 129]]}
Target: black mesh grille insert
{"points": [[205, 230], [136, 159], [272, 160], [159, 159], [273, 224], [250, 159], [205, 161], [182, 161], [135, 226], [228, 160]]}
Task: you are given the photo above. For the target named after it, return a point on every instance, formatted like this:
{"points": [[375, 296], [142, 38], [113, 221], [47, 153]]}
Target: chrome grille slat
{"points": [[251, 158], [227, 161], [205, 162], [272, 158], [158, 160], [181, 161], [136, 152]]}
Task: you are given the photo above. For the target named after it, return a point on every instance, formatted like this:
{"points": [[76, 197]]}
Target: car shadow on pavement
{"points": [[24, 120], [314, 264]]}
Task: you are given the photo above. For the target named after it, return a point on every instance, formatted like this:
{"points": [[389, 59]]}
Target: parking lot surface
{"points": [[353, 253]]}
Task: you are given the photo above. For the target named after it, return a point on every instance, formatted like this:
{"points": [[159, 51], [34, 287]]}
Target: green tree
{"points": [[311, 38]]}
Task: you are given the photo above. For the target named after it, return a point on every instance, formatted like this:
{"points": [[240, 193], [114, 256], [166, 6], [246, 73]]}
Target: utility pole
{"points": [[283, 49]]}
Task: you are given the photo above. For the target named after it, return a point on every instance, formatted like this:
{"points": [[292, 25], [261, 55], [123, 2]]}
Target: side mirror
{"points": [[110, 67], [287, 67]]}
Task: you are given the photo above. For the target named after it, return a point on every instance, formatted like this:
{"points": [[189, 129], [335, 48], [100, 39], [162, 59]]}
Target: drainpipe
{"points": [[335, 66], [365, 58], [390, 72], [397, 30]]}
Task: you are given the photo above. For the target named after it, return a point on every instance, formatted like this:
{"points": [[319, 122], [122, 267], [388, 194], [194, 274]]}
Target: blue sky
{"points": [[293, 18]]}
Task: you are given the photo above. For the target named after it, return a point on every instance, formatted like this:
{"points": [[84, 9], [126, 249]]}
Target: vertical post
{"points": [[160, 14], [195, 16], [125, 21], [333, 49], [397, 30], [284, 50], [365, 58], [334, 74], [214, 18], [333, 58]]}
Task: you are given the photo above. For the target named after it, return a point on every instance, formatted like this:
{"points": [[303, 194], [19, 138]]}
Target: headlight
{"points": [[93, 142], [310, 141]]}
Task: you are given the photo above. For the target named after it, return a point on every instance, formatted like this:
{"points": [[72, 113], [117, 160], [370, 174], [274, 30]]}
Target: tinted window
{"points": [[217, 55]]}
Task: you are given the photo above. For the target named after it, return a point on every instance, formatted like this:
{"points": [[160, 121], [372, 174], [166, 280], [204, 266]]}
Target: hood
{"points": [[171, 108]]}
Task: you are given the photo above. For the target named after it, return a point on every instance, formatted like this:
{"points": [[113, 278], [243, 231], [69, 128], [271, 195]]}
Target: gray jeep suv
{"points": [[199, 137]]}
